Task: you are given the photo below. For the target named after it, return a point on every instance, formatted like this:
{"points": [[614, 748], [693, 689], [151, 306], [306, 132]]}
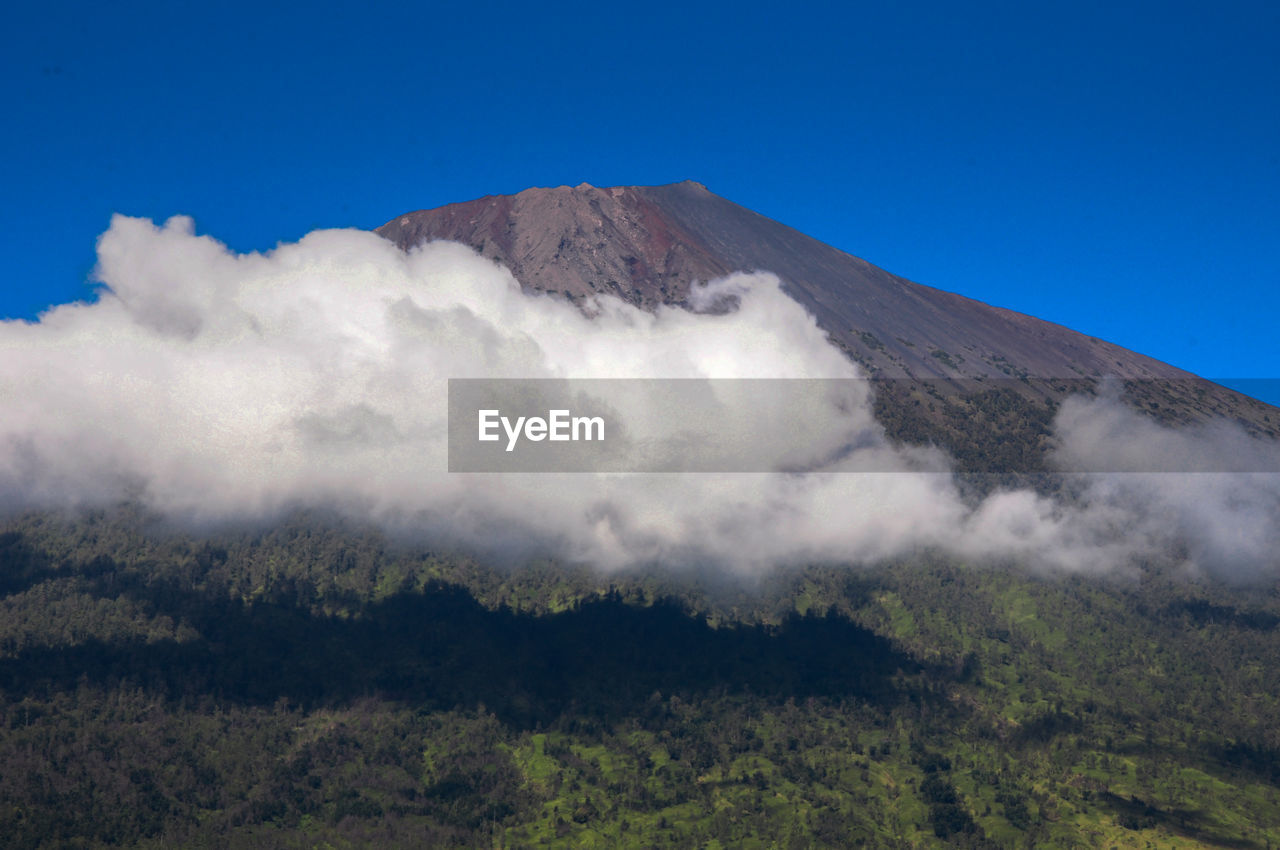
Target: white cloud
{"points": [[216, 386]]}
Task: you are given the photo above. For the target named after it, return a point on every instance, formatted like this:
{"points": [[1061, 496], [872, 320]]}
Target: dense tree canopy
{"points": [[317, 683]]}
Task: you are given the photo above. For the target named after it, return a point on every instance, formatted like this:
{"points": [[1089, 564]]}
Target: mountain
{"points": [[649, 244], [314, 680], [962, 358]]}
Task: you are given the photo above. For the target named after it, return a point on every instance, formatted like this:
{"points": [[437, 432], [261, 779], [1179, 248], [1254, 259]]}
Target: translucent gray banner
{"points": [[818, 425]]}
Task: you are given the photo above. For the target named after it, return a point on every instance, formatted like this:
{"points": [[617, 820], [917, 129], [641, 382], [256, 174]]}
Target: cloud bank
{"points": [[214, 386]]}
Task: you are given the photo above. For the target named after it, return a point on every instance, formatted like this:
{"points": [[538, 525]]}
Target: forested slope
{"points": [[316, 683]]}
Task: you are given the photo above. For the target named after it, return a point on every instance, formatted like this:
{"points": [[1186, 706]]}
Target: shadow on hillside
{"points": [[440, 649], [1136, 814], [1203, 613], [21, 566]]}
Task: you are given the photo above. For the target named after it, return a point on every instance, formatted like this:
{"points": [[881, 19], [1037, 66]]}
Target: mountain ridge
{"points": [[649, 244]]}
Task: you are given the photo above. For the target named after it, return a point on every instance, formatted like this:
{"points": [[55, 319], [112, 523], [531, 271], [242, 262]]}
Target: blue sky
{"points": [[1114, 167]]}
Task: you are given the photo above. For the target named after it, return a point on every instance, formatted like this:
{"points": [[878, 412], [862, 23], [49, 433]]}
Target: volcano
{"points": [[940, 359]]}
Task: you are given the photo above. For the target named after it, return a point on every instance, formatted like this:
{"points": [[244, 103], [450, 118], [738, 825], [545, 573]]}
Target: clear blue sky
{"points": [[1112, 166]]}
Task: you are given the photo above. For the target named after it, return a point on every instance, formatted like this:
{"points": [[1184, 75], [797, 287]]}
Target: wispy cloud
{"points": [[215, 386]]}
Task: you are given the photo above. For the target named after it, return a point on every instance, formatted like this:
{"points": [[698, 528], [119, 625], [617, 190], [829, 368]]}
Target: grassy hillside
{"points": [[317, 685]]}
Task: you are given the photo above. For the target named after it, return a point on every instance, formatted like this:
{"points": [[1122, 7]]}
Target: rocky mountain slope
{"points": [[963, 360]]}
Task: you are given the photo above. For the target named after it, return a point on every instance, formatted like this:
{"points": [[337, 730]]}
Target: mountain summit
{"points": [[649, 244]]}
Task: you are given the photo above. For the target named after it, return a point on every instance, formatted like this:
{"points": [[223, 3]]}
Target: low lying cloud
{"points": [[214, 386], [1209, 489]]}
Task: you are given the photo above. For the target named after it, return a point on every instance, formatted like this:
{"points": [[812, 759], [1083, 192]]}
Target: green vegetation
{"points": [[870, 340], [985, 429], [946, 358], [317, 685]]}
